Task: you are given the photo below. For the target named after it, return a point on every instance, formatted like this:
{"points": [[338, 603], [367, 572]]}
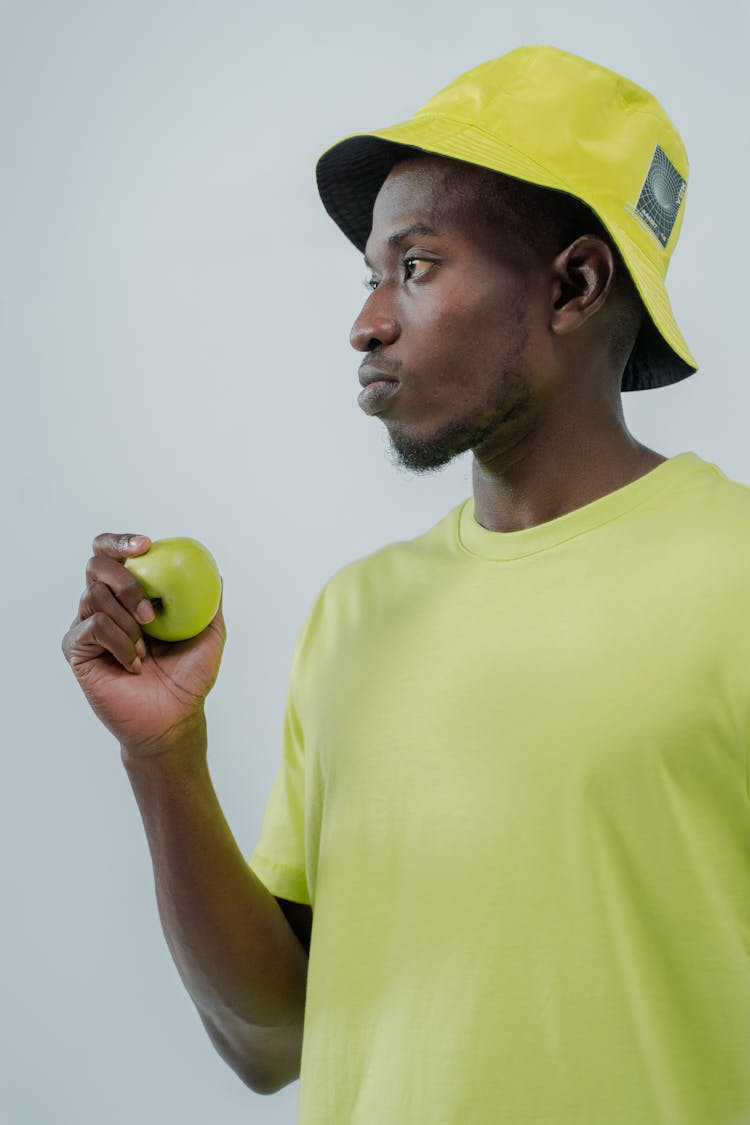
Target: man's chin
{"points": [[426, 456], [426, 453]]}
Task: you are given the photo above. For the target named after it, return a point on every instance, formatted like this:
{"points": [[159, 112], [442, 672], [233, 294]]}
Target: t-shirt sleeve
{"points": [[279, 858]]}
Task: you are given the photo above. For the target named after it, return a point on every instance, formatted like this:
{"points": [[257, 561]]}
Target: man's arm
{"points": [[234, 949], [236, 953]]}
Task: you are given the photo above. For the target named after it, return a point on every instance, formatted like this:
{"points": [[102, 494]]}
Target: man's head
{"points": [[560, 122], [493, 303]]}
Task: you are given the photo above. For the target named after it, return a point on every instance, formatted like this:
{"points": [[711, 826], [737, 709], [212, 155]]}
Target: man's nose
{"points": [[376, 324]]}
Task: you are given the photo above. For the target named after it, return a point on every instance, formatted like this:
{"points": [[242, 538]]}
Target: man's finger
{"points": [[98, 598], [120, 545], [87, 640]]}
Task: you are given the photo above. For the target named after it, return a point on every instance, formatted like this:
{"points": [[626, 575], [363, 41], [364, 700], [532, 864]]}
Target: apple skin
{"points": [[181, 578]]}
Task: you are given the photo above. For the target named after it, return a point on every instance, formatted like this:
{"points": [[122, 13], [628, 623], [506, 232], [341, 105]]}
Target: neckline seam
{"points": [[669, 481]]}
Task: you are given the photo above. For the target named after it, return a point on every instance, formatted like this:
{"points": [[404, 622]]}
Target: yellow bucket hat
{"points": [[551, 118]]}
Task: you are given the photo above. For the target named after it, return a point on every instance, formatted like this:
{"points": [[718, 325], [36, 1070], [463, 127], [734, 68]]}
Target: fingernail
{"points": [[140, 647], [136, 666], [145, 612], [127, 542]]}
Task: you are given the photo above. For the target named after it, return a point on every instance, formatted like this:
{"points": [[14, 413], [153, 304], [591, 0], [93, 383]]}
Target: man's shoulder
{"points": [[721, 502], [701, 532], [438, 542], [392, 573]]}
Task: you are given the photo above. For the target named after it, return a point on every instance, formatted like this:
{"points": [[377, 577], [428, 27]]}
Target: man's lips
{"points": [[378, 388], [369, 373]]}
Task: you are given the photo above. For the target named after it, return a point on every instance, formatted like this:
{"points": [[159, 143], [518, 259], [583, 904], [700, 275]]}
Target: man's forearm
{"points": [[235, 951]]}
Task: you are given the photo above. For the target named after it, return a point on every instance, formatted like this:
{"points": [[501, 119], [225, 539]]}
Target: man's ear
{"points": [[582, 278]]}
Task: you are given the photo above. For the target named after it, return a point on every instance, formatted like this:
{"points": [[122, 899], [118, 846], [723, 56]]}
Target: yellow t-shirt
{"points": [[514, 789]]}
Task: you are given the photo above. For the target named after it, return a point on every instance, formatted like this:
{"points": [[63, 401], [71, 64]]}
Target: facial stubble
{"points": [[429, 454]]}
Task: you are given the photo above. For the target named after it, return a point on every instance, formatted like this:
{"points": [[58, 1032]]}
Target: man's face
{"points": [[454, 320]]}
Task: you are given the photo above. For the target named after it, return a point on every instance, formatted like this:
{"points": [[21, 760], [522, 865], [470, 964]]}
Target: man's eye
{"points": [[414, 268], [370, 282]]}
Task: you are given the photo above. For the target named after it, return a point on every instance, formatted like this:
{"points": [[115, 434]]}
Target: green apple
{"points": [[181, 578]]}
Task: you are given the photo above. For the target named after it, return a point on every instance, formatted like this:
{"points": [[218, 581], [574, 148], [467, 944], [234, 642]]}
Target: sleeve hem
{"points": [[280, 880]]}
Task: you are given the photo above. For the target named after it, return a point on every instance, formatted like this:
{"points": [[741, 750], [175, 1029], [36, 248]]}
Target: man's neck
{"points": [[530, 487]]}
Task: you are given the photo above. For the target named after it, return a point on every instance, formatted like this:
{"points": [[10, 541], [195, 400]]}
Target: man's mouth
{"points": [[377, 390], [370, 373]]}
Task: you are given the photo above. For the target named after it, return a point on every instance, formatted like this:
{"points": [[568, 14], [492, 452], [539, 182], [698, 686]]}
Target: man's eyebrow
{"points": [[400, 236]]}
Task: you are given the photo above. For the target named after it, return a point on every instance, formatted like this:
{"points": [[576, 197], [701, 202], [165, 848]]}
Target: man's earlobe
{"points": [[583, 275]]}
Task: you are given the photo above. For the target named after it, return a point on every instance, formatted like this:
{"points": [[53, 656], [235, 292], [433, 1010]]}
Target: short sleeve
{"points": [[279, 855]]}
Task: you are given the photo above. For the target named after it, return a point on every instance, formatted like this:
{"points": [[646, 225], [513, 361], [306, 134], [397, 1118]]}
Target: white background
{"points": [[174, 315]]}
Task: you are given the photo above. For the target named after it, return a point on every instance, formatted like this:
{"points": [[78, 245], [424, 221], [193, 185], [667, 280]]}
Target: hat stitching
{"points": [[491, 136]]}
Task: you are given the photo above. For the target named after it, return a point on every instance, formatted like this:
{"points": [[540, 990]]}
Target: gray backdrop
{"points": [[174, 316]]}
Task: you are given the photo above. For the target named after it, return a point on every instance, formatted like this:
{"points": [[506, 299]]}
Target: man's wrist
{"points": [[181, 745]]}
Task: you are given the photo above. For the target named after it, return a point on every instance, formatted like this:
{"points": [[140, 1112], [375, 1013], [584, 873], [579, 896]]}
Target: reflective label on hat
{"points": [[661, 196]]}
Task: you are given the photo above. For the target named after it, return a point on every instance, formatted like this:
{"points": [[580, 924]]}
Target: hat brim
{"points": [[352, 172]]}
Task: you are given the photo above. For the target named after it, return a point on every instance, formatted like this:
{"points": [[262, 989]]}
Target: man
{"points": [[503, 874]]}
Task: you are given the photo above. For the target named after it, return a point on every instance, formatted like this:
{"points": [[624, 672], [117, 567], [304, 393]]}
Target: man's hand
{"points": [[146, 692]]}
